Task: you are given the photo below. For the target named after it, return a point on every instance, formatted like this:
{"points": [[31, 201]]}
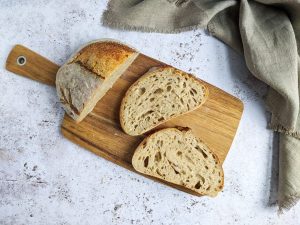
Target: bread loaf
{"points": [[85, 78], [178, 157], [160, 95]]}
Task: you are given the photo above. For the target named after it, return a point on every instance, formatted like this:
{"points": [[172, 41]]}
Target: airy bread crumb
{"points": [[179, 157], [159, 95]]}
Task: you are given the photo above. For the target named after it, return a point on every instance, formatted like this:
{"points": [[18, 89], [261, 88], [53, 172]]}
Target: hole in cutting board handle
{"points": [[21, 60], [27, 63]]}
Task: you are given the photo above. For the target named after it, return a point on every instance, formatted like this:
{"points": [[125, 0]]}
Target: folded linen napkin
{"points": [[266, 32]]}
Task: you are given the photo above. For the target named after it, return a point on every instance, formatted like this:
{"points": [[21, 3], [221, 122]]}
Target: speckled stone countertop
{"points": [[45, 179]]}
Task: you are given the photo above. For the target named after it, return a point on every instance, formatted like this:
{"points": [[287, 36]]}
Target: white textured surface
{"points": [[45, 179]]}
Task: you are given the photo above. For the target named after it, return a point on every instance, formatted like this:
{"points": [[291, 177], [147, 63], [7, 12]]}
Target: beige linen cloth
{"points": [[266, 32]]}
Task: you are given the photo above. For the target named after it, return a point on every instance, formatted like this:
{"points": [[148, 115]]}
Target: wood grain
{"points": [[216, 122], [36, 67]]}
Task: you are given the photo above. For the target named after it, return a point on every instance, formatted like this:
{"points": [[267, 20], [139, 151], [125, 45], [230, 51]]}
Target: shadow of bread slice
{"points": [[159, 95], [85, 78], [178, 157]]}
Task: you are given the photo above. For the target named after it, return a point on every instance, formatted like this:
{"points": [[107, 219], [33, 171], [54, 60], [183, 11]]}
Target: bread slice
{"points": [[85, 78], [159, 95], [178, 157]]}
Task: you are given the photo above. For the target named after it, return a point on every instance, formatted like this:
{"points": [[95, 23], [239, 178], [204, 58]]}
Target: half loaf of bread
{"points": [[159, 95], [177, 156], [85, 78]]}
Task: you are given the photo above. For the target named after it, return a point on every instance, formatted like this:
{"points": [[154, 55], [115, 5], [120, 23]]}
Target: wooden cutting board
{"points": [[216, 122]]}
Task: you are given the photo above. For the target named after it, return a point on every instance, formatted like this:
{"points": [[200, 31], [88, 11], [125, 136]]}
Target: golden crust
{"points": [[103, 58]]}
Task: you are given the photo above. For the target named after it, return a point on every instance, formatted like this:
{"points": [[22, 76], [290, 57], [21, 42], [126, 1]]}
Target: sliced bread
{"points": [[85, 78], [159, 95], [177, 156]]}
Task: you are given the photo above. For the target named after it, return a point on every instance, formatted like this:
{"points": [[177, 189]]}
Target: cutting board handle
{"points": [[27, 63]]}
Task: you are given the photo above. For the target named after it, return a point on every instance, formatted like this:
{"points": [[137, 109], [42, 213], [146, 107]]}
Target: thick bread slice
{"points": [[85, 78], [159, 95], [178, 157]]}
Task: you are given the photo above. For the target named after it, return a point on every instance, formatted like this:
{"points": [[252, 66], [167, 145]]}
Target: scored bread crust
{"points": [[102, 56], [89, 73], [161, 160], [151, 71]]}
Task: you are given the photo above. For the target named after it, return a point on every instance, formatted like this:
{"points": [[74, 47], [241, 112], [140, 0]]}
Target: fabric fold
{"points": [[289, 167], [265, 32]]}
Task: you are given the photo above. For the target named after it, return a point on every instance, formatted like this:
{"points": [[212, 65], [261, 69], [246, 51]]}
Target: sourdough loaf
{"points": [[85, 78]]}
